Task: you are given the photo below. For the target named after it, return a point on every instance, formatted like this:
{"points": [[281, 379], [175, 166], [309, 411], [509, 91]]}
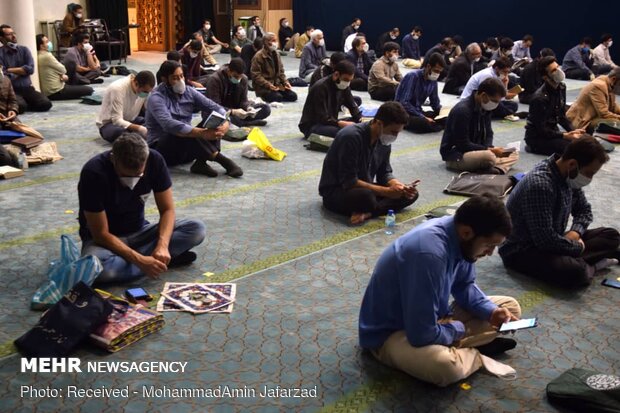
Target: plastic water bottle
{"points": [[390, 222]]}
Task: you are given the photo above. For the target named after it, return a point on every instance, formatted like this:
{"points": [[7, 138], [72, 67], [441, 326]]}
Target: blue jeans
{"points": [[187, 234]]}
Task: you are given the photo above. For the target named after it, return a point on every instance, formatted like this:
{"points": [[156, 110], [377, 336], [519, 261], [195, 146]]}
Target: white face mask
{"points": [[477, 59], [433, 76], [130, 181], [179, 87], [322, 42], [88, 47], [393, 37], [416, 37], [503, 77], [342, 85], [356, 26], [610, 43], [273, 47], [78, 15], [387, 140], [558, 76], [285, 24], [489, 106], [241, 33], [579, 181], [393, 59], [508, 53], [193, 55], [207, 27]]}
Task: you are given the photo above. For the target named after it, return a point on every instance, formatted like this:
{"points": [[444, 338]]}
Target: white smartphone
{"points": [[518, 325]]}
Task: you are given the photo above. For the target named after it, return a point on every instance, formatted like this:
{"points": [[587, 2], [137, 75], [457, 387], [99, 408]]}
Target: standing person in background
{"points": [[254, 29], [286, 35], [211, 42], [71, 24]]}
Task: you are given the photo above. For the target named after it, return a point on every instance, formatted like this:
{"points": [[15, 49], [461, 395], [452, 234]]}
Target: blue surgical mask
{"points": [[586, 49], [143, 94], [50, 46], [234, 80]]}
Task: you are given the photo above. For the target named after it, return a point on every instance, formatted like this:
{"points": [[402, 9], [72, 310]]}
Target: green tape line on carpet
{"points": [[39, 181]]}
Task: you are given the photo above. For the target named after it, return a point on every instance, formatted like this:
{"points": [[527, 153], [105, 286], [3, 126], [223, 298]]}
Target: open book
{"points": [[214, 121], [443, 113], [8, 172]]}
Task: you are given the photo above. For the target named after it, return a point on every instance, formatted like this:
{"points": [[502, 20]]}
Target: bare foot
{"points": [[359, 217]]}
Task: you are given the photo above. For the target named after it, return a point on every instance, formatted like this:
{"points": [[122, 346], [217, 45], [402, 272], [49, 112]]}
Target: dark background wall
{"points": [[556, 24]]}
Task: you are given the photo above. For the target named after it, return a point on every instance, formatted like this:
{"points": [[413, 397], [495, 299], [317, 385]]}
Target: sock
{"points": [[201, 167], [232, 169], [605, 263]]}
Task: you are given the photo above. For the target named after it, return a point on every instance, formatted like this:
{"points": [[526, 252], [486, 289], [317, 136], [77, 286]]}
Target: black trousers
{"points": [[546, 146], [565, 271], [280, 96], [72, 92], [579, 74], [361, 200], [28, 99], [359, 84], [384, 94], [263, 113], [505, 108], [417, 124]]}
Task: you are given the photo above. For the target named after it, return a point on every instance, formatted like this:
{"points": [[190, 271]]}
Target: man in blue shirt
{"points": [[17, 64], [467, 142], [357, 178], [168, 121], [415, 88], [113, 189], [411, 44], [578, 63], [542, 203], [406, 320]]}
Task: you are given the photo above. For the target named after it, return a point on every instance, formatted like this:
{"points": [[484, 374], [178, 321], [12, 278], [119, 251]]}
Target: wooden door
{"points": [[161, 24]]}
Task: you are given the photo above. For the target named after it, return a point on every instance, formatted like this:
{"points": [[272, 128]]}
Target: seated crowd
{"points": [[406, 319]]}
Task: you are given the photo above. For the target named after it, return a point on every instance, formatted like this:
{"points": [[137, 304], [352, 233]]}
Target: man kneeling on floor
{"points": [[357, 178], [541, 205], [405, 319], [113, 190]]}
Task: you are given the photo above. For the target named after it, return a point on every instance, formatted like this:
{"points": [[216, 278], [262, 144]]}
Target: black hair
{"points": [[392, 113], [167, 68], [606, 37], [206, 21], [486, 215], [253, 19], [356, 19], [543, 63], [547, 52], [236, 29], [506, 43], [417, 29], [587, 40], [308, 28], [492, 87], [344, 67], [390, 47], [80, 37], [282, 20], [195, 35], [258, 43], [39, 40], [435, 60], [528, 38], [145, 78], [458, 40], [492, 42], [357, 41], [585, 150], [173, 55], [236, 65], [502, 63], [195, 45], [336, 57], [447, 41]]}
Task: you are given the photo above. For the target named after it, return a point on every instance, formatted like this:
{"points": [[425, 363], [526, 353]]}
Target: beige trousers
{"points": [[443, 365], [291, 43], [480, 160], [214, 48]]}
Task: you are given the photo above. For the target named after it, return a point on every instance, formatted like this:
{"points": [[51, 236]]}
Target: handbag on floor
{"points": [[66, 324], [471, 184], [585, 391]]}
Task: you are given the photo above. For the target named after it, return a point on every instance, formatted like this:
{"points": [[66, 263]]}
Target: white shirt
{"points": [[601, 56], [474, 82], [120, 104], [348, 43]]}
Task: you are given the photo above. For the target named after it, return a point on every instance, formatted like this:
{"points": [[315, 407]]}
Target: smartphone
{"points": [[608, 282], [518, 325], [413, 184], [135, 294]]}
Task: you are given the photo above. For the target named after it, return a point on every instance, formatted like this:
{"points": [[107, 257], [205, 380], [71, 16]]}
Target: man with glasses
{"points": [[18, 65]]}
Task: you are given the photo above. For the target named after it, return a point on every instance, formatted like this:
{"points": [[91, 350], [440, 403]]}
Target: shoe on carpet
{"points": [[232, 169], [497, 346], [257, 122], [202, 168], [184, 258]]}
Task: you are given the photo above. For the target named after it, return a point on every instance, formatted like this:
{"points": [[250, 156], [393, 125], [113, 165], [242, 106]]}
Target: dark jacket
{"points": [[247, 54], [283, 34], [437, 49], [531, 81], [547, 110], [459, 73], [383, 39], [267, 69], [323, 104], [223, 92], [468, 128], [321, 72], [352, 57], [346, 32]]}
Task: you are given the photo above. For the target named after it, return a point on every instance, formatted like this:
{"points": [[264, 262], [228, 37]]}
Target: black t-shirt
{"points": [[100, 189]]}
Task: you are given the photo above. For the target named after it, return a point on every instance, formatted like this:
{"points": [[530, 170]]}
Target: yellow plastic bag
{"points": [[258, 137]]}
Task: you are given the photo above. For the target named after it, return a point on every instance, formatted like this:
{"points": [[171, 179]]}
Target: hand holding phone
{"points": [[518, 325]]}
